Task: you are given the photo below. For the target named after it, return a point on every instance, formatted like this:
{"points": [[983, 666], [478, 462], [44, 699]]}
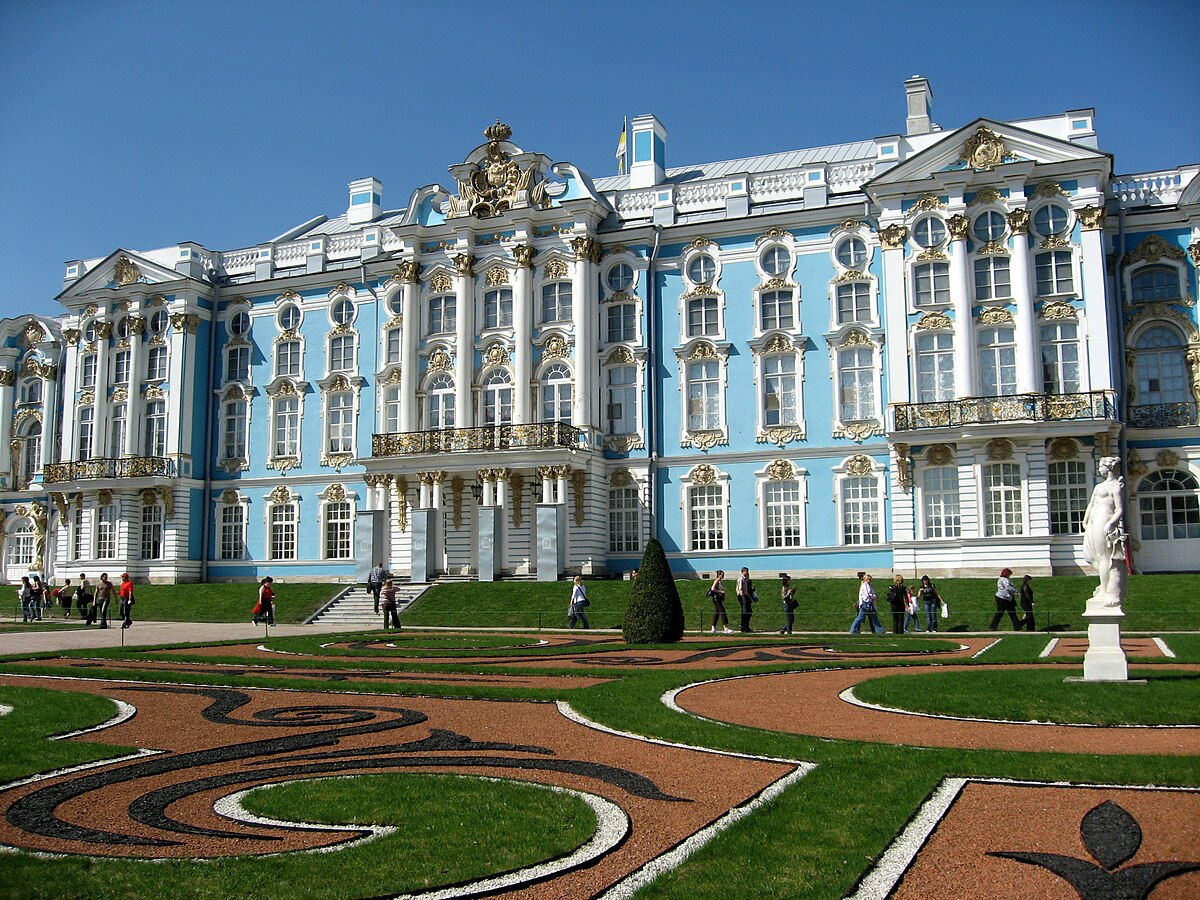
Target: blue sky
{"points": [[140, 125]]}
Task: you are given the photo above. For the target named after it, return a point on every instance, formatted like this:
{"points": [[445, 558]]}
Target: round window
{"points": [[1050, 219], [990, 226], [396, 303], [620, 277], [343, 312], [89, 332], [776, 261], [122, 328], [239, 324], [158, 321], [929, 232], [289, 317], [852, 253], [702, 269]]}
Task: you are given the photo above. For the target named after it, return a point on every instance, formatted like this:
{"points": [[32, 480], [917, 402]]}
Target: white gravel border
{"points": [[1162, 645], [979, 653], [125, 712], [1048, 649]]}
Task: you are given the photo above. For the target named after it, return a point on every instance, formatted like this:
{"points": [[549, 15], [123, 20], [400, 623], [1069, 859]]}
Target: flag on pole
{"points": [[621, 148]]}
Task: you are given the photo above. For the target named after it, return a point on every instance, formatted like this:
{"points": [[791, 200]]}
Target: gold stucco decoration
{"points": [[995, 317], [939, 455], [439, 360], [464, 264], [1063, 448], [959, 227], [496, 276], [934, 321], [555, 269], [1152, 249], [781, 470], [1018, 221], [620, 478], [620, 356], [1167, 459], [555, 348], [999, 449], [984, 149], [440, 283], [893, 237], [125, 271], [859, 466], [497, 355], [523, 256], [779, 343], [1058, 309], [903, 467], [926, 203], [1091, 218], [987, 195], [497, 183], [704, 474]]}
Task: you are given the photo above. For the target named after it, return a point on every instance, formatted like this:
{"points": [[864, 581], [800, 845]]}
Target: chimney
{"points": [[648, 166], [366, 200], [920, 105]]}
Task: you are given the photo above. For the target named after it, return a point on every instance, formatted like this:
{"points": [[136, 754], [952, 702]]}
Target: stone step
{"points": [[357, 605]]}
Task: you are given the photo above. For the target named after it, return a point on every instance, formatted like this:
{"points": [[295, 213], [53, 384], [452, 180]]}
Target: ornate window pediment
{"points": [[496, 178]]}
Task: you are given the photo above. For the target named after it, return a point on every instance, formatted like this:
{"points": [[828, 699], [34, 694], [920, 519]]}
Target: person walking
{"points": [[928, 595], [264, 610], [25, 595], [866, 607], [1027, 604], [716, 594], [788, 593], [375, 579], [579, 600], [1005, 601], [897, 597], [83, 600], [389, 604], [910, 611], [65, 595], [747, 597], [126, 606], [103, 596], [39, 592]]}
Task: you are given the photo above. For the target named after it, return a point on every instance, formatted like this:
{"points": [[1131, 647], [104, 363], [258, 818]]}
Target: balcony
{"points": [[1015, 408], [1163, 415], [490, 438], [125, 467]]}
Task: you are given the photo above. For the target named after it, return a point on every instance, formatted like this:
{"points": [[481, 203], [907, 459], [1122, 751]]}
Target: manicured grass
{"points": [[38, 714], [226, 602], [1040, 695], [1155, 602]]}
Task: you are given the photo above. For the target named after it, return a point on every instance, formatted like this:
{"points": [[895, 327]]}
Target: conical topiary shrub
{"points": [[654, 614]]}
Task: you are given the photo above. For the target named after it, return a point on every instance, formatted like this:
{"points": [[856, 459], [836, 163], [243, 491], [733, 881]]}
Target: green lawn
{"points": [[227, 602]]}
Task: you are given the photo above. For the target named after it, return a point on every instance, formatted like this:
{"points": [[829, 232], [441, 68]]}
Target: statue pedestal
{"points": [[1104, 660]]}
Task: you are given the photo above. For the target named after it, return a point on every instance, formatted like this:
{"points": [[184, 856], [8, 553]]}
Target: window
{"points": [[391, 409], [1050, 219], [929, 232], [784, 514], [391, 346], [1155, 283], [89, 332], [289, 317], [286, 430], [156, 428], [935, 367], [624, 521], [395, 303], [341, 353], [619, 277], [851, 253], [1068, 496], [497, 398], [777, 308], [156, 364], [556, 394], [83, 438], [237, 364], [702, 316], [992, 280], [1054, 273], [121, 367], [853, 302], [159, 321], [233, 532], [239, 323], [556, 302], [997, 362], [30, 460], [87, 371], [621, 413], [498, 308], [1169, 506], [776, 261], [931, 282], [233, 437], [861, 522], [779, 390], [152, 531], [287, 359], [940, 494], [78, 535], [121, 329], [707, 519], [989, 226], [20, 546], [702, 269], [704, 392], [440, 402], [441, 314], [1002, 508], [1060, 358], [30, 392], [621, 319], [120, 419], [106, 532], [1160, 369], [856, 380], [283, 531], [337, 530], [342, 312], [341, 423]]}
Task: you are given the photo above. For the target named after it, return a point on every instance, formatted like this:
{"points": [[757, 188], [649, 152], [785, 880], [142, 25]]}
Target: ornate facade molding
{"points": [[984, 149], [781, 470], [125, 272], [1091, 218], [440, 283], [464, 264], [624, 443], [578, 489], [931, 254], [555, 269], [497, 356], [523, 256], [439, 360], [995, 317], [620, 478], [704, 440], [893, 237], [779, 435], [1059, 309], [1018, 221], [1152, 249], [903, 467], [934, 321], [1063, 448], [858, 431], [859, 466], [703, 474], [586, 249], [939, 455], [986, 195], [927, 203], [556, 347], [959, 227], [999, 449], [497, 276]]}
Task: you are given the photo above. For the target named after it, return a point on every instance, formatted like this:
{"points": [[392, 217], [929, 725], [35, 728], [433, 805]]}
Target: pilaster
{"points": [[464, 364], [583, 308], [411, 329], [522, 333], [1029, 370], [964, 320]]}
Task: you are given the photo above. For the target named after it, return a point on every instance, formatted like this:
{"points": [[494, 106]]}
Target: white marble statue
{"points": [[1104, 536]]}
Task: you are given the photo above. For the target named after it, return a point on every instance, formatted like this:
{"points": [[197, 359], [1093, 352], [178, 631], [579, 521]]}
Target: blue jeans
{"points": [[931, 614], [912, 617], [867, 613], [577, 614]]}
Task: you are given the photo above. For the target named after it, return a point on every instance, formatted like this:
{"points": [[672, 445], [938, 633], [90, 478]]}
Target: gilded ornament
{"points": [[440, 283], [781, 470], [555, 269], [523, 256], [620, 478], [34, 333], [856, 338], [849, 275], [987, 195], [555, 348], [496, 276], [547, 473], [497, 355], [702, 350], [984, 149], [104, 330], [125, 271], [850, 224], [578, 485], [120, 395], [779, 343], [168, 500], [1091, 218], [995, 317], [281, 494], [336, 461], [1161, 310], [615, 249], [586, 249], [926, 203], [71, 336], [780, 435], [392, 377], [1154, 248], [229, 497], [931, 254], [60, 501], [993, 248], [701, 242], [149, 497], [999, 449], [1018, 221], [777, 284], [774, 233], [704, 440], [408, 272], [90, 310], [8, 378], [1055, 242], [86, 398], [1050, 189], [1167, 459], [619, 356], [858, 431], [1103, 442], [1058, 309], [859, 466], [1063, 448], [497, 184], [137, 325], [704, 474], [439, 360], [464, 264], [934, 321], [959, 227], [939, 455], [516, 491], [335, 493], [903, 467], [1135, 464], [1193, 250], [893, 237], [624, 443]]}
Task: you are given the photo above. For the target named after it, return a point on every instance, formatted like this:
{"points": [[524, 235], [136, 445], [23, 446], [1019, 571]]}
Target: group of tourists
{"points": [[1006, 602], [38, 597], [383, 591], [905, 604]]}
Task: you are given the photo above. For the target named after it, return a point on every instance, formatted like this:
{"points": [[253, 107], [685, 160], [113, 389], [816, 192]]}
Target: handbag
{"points": [[945, 610]]}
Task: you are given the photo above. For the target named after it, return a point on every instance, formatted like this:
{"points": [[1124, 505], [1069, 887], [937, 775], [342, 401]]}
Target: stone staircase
{"points": [[355, 607]]}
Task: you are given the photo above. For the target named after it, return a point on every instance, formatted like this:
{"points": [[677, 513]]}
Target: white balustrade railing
{"points": [[777, 186], [1151, 189], [635, 202], [342, 245], [850, 177], [706, 195], [235, 262], [291, 254]]}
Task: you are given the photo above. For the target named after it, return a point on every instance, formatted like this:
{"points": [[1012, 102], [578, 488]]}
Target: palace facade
{"points": [[906, 352]]}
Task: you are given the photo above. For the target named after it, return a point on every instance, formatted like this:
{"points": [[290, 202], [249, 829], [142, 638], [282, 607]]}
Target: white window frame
{"points": [[231, 367], [280, 343], [152, 433], [699, 351], [951, 531], [625, 523], [843, 475], [273, 503], [986, 290], [1073, 262], [995, 351], [1181, 279], [693, 290], [276, 401], [938, 354], [157, 362], [346, 360], [446, 412], [231, 535], [992, 527], [559, 286], [764, 479], [721, 483], [776, 347], [491, 394], [933, 302], [329, 502], [153, 520], [1057, 346], [1068, 499], [547, 386], [444, 299], [21, 542], [85, 433], [857, 338], [107, 532], [501, 305], [345, 437]]}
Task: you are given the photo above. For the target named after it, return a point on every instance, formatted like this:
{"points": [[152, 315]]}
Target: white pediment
{"points": [[122, 269]]}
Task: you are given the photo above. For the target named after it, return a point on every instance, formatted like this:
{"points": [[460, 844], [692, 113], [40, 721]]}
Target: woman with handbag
{"points": [[716, 593], [866, 607], [747, 597], [579, 600], [928, 595], [788, 592]]}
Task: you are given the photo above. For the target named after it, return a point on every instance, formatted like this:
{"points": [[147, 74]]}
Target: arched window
{"points": [[556, 302], [31, 451], [1155, 283], [30, 392], [556, 394], [340, 434], [1160, 369], [439, 402], [286, 427], [1060, 358], [497, 398], [156, 428], [1169, 506]]}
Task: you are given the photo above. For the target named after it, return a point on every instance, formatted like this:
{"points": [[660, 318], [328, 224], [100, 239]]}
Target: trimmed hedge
{"points": [[654, 614]]}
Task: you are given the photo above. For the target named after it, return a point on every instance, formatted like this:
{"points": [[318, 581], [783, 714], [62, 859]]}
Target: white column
{"points": [[100, 426], [562, 484], [547, 488], [964, 321], [522, 333], [583, 308], [895, 311], [180, 395], [501, 487], [408, 355], [464, 366], [1092, 290], [8, 382], [426, 495], [437, 494], [50, 417], [1029, 370], [137, 374], [489, 492], [68, 377]]}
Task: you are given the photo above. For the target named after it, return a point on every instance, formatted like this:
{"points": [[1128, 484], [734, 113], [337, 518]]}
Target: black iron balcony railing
{"points": [[536, 436], [126, 467], [1163, 415], [1013, 408]]}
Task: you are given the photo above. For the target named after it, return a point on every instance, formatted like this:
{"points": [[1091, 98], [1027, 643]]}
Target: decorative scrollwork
{"points": [[934, 321], [439, 360], [859, 466], [497, 355], [440, 282], [1152, 249], [984, 149], [1063, 448], [555, 269], [496, 276], [1059, 309], [125, 271], [779, 435], [959, 227], [939, 455], [995, 317], [703, 475], [781, 470], [986, 195], [893, 237], [523, 255], [927, 203], [704, 440], [555, 347], [1091, 218], [1018, 221], [999, 449], [620, 478]]}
